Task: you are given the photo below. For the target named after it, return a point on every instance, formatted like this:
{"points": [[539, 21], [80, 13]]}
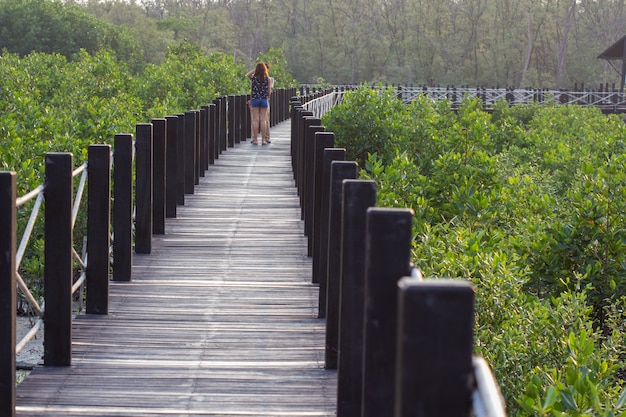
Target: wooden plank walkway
{"points": [[221, 318]]}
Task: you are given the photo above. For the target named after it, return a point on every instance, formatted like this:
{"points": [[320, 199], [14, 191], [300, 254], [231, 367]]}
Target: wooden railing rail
{"points": [[608, 100], [386, 334], [166, 157]]}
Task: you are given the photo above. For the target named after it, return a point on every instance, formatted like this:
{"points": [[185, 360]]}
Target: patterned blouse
{"points": [[260, 89]]}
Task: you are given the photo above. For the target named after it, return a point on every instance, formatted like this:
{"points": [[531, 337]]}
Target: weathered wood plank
{"points": [[219, 320]]}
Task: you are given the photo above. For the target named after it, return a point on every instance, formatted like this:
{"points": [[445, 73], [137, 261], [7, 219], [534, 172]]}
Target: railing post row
{"points": [[58, 193], [8, 236], [375, 318]]}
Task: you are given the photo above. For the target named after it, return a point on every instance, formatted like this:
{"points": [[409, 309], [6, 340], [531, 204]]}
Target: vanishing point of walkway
{"points": [[219, 320]]}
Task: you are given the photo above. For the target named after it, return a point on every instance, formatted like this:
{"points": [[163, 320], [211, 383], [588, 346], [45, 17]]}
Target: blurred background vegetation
{"points": [[525, 43]]}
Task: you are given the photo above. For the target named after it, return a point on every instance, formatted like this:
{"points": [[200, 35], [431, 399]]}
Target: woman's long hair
{"points": [[260, 71]]}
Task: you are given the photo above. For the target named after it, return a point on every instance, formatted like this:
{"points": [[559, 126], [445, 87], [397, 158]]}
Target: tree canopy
{"points": [[525, 43], [51, 27]]}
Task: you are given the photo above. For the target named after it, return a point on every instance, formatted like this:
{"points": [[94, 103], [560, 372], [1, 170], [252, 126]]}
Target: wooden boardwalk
{"points": [[219, 320]]}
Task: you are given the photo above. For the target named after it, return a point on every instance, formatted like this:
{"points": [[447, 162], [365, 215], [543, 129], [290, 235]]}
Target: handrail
{"points": [[608, 101], [486, 398], [31, 221], [82, 262], [322, 105], [38, 193], [29, 196]]}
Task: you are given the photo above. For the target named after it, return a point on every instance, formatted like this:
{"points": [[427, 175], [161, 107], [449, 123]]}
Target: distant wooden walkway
{"points": [[221, 318]]}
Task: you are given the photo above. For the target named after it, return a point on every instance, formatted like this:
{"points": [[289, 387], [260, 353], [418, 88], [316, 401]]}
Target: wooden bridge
{"points": [[275, 289], [219, 320]]}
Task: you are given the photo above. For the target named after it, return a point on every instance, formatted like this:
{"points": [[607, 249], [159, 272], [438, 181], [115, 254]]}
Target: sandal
{"points": [[264, 143], [254, 142]]}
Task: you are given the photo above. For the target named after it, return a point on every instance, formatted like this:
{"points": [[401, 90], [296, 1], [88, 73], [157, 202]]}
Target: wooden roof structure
{"points": [[615, 52]]}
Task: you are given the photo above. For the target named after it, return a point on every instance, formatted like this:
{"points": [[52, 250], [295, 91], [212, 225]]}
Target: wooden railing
{"points": [[400, 343], [166, 157], [608, 100]]}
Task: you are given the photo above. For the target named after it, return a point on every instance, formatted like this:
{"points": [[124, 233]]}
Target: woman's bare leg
{"points": [[256, 119], [262, 118]]}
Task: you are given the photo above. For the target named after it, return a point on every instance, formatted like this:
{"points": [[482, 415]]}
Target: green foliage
{"points": [[49, 26], [583, 387], [278, 68], [371, 122], [526, 203], [51, 103], [333, 40]]}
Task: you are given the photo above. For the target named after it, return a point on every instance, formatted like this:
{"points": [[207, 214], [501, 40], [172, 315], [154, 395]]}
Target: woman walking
{"points": [[259, 102]]}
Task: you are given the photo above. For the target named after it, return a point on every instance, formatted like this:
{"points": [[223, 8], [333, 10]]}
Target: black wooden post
{"points": [[248, 126], [219, 120], [309, 190], [310, 126], [159, 170], [296, 108], [240, 118], [8, 308], [182, 160], [58, 260], [98, 228], [295, 150], [323, 140], [330, 282], [198, 149], [358, 196], [143, 168], [301, 159], [213, 142], [434, 369], [296, 144], [388, 258], [232, 117], [223, 132], [204, 139], [122, 207], [224, 120], [330, 155], [190, 152], [171, 163]]}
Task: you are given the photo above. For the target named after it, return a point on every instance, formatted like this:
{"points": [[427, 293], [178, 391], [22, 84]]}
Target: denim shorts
{"points": [[259, 102]]}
